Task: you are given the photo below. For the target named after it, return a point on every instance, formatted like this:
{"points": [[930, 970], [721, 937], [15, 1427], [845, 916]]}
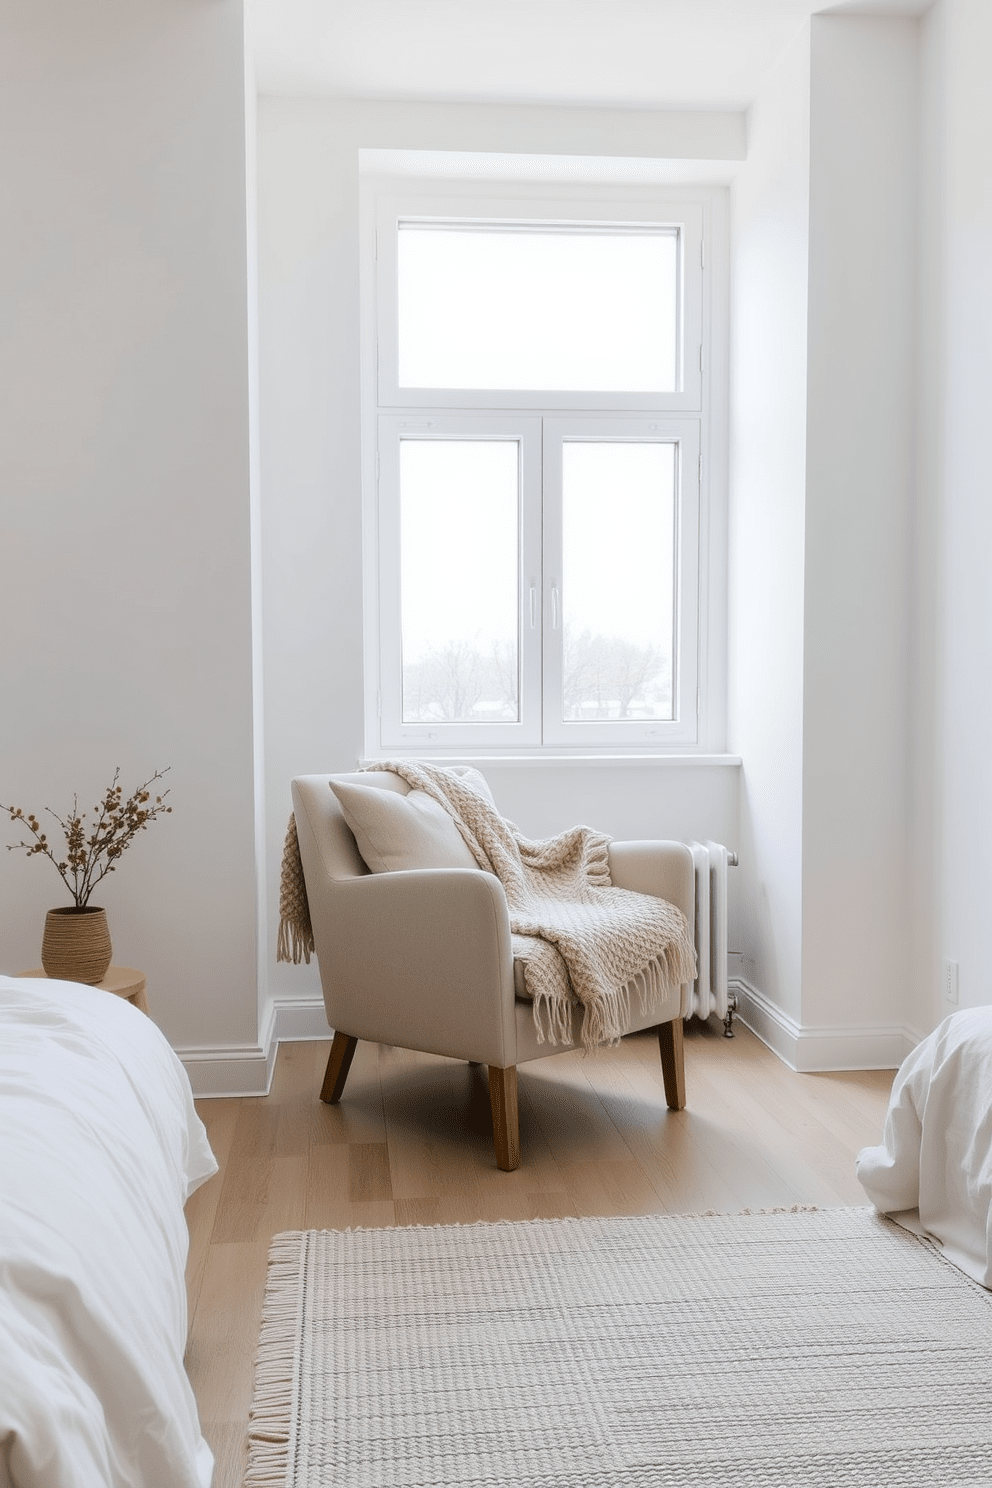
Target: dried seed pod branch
{"points": [[88, 859]]}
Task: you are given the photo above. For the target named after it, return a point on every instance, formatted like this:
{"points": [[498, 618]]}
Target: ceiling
{"points": [[622, 53]]}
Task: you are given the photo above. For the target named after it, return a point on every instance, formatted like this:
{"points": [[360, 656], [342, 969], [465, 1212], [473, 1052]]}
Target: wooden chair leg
{"points": [[338, 1065], [673, 1063], [506, 1121]]}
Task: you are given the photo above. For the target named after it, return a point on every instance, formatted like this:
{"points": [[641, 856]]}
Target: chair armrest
{"points": [[420, 959], [664, 869]]}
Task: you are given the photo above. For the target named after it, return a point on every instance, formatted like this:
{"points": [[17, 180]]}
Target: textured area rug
{"points": [[825, 1348]]}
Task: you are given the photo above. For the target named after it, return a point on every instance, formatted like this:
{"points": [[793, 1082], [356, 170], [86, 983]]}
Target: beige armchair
{"points": [[397, 950]]}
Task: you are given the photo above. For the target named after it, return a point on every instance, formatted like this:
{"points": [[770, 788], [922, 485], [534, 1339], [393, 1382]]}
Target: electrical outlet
{"points": [[950, 981]]}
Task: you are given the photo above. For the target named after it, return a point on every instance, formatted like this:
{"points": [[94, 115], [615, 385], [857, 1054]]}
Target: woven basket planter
{"points": [[76, 944]]}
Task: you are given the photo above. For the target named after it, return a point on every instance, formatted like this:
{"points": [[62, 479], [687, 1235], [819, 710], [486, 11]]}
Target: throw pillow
{"points": [[395, 832]]}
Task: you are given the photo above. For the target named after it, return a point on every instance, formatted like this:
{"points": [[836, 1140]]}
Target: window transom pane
{"points": [[538, 308]]}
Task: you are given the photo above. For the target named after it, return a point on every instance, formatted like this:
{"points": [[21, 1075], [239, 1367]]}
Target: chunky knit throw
{"points": [[576, 935], [295, 941]]}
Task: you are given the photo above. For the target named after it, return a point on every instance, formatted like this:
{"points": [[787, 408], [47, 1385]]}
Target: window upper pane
{"points": [[459, 580], [538, 309], [618, 580]]}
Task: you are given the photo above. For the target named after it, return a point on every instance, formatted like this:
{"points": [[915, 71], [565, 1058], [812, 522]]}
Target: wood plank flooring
{"points": [[411, 1143]]}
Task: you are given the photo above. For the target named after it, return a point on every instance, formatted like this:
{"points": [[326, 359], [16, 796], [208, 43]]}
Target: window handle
{"points": [[533, 606], [554, 606]]}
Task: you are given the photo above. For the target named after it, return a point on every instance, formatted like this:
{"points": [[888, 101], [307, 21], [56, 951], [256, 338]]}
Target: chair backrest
{"points": [[325, 837]]}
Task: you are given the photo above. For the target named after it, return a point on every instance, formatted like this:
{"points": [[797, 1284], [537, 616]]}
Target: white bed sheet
{"points": [[933, 1171], [100, 1146]]}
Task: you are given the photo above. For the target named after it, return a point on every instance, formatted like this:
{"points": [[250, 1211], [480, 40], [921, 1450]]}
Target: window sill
{"points": [[547, 760]]}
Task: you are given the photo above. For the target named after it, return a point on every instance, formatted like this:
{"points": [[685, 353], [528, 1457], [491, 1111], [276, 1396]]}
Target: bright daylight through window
{"points": [[538, 408]]}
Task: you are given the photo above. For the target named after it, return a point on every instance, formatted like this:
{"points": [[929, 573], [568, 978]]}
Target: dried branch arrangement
{"points": [[91, 853]]}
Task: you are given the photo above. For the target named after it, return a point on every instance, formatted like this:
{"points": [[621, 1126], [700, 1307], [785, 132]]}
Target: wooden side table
{"points": [[122, 981]]}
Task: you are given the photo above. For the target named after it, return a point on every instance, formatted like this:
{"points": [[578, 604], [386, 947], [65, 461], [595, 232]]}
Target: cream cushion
{"points": [[395, 832]]}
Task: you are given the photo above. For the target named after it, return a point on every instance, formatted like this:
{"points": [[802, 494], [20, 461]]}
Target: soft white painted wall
{"points": [[823, 400], [262, 887], [124, 458], [923, 821], [770, 257], [859, 488], [955, 516], [125, 479], [681, 800], [311, 466], [311, 458]]}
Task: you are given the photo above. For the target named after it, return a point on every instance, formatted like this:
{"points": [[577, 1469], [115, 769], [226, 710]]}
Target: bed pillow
{"points": [[395, 832]]}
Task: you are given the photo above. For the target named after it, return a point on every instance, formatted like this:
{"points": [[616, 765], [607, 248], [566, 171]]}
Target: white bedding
{"points": [[99, 1149], [936, 1158]]}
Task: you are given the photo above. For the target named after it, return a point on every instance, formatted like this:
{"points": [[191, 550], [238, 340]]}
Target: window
{"points": [[534, 537]]}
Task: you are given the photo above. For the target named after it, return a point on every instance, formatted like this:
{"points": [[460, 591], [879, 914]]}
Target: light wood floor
{"points": [[411, 1143]]}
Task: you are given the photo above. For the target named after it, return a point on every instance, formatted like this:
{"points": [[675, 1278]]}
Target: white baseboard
{"points": [[300, 1018], [246, 1069], [819, 1050]]}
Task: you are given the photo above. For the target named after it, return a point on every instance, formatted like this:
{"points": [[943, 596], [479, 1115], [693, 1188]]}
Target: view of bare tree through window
{"points": [[605, 677], [459, 521], [618, 573], [460, 586], [612, 677], [459, 682]]}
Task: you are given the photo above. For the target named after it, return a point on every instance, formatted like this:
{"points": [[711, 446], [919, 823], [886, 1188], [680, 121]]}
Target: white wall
{"points": [[859, 503], [954, 526], [125, 601], [822, 469], [858, 617], [311, 463], [770, 256], [131, 518]]}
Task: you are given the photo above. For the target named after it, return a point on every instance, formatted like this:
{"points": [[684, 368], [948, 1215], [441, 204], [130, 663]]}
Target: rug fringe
{"points": [[272, 1408], [545, 1223]]}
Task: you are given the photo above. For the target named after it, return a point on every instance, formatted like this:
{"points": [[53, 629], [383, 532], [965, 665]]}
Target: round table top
{"points": [[123, 981]]}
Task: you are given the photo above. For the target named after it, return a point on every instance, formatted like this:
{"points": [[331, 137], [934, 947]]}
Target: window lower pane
{"points": [[618, 580], [459, 580]]}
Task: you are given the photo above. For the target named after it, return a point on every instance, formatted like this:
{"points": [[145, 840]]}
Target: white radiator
{"points": [[709, 991]]}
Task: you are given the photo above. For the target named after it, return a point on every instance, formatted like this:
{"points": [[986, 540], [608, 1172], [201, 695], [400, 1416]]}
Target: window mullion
{"points": [[552, 632], [531, 580]]}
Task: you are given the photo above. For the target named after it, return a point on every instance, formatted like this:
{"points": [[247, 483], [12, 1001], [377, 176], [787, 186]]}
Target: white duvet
{"points": [[99, 1149], [936, 1156]]}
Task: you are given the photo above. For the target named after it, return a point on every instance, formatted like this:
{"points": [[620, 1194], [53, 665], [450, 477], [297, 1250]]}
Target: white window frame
{"points": [[391, 412], [685, 217]]}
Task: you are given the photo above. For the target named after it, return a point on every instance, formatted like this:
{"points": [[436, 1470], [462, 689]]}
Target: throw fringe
{"points": [[606, 1022], [295, 942], [552, 1018], [273, 1407]]}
